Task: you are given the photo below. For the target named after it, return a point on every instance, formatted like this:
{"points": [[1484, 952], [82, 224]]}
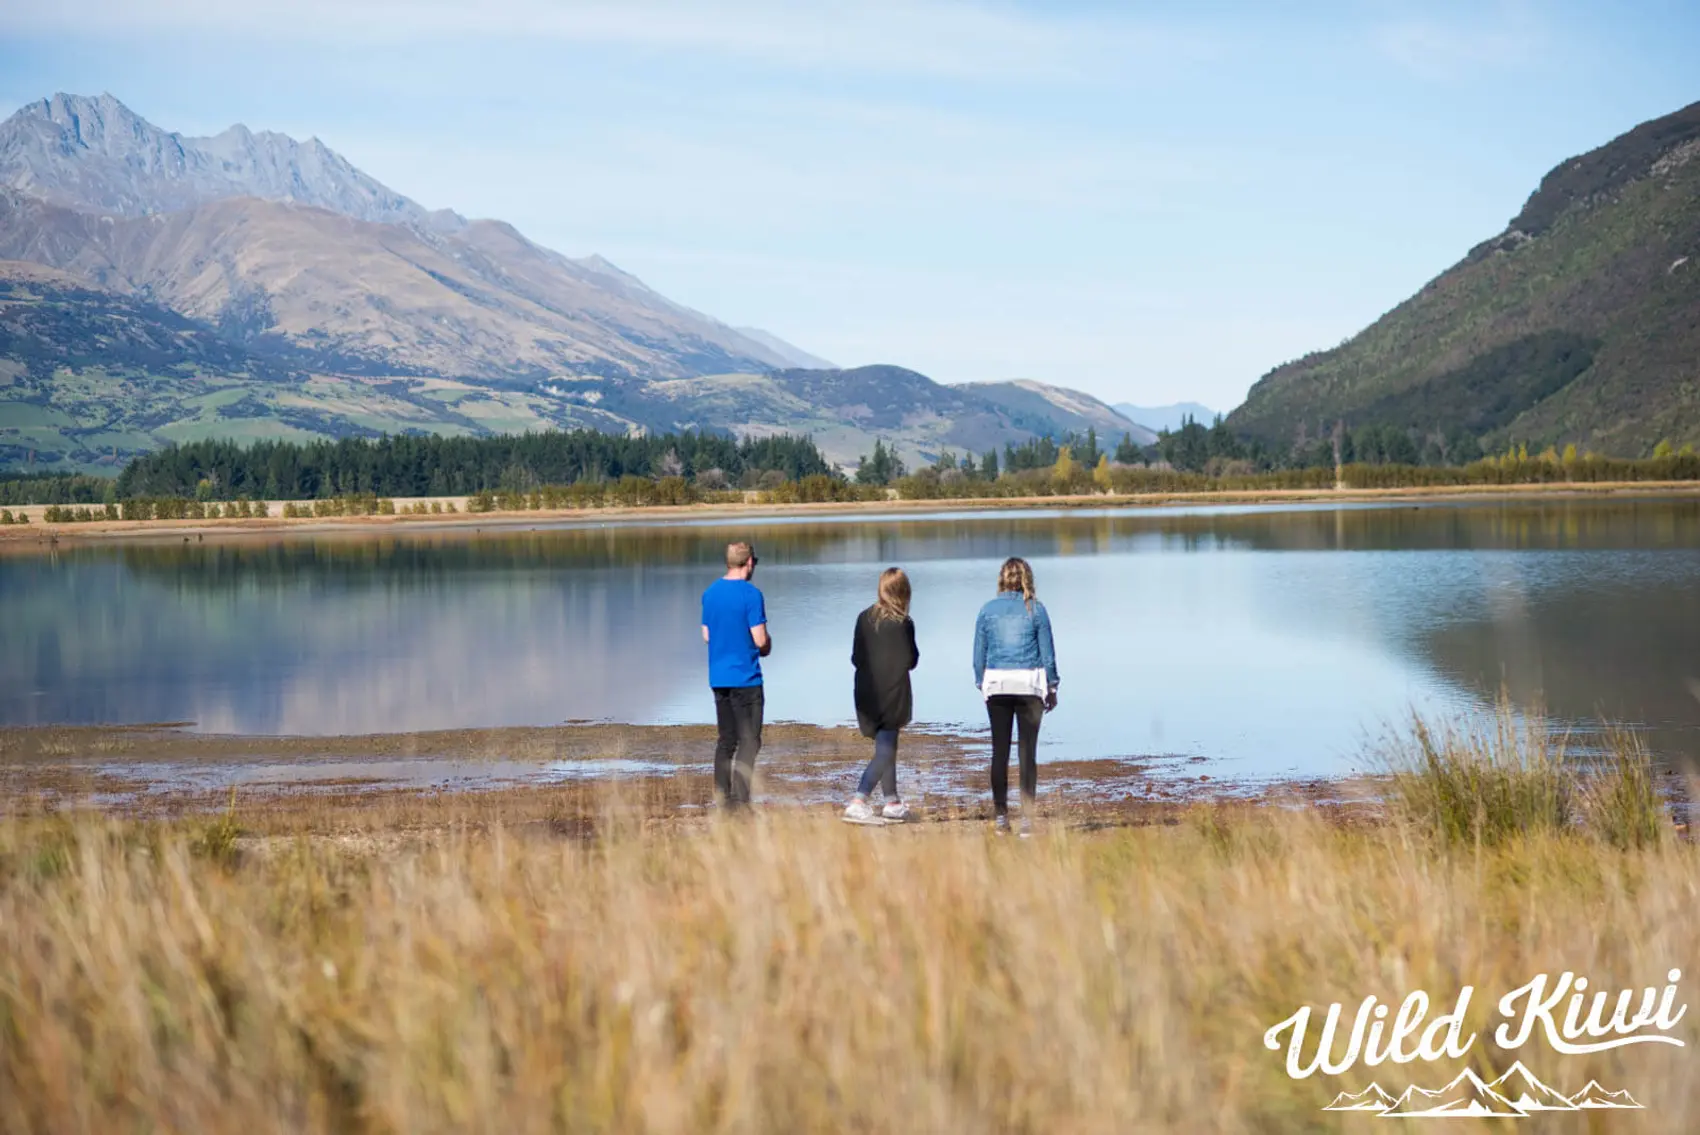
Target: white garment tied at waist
{"points": [[1015, 683]]}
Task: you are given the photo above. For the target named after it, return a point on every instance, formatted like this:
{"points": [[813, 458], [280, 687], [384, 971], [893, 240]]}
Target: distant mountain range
{"points": [[1043, 407], [846, 410], [263, 235], [1170, 417], [1580, 322], [248, 285]]}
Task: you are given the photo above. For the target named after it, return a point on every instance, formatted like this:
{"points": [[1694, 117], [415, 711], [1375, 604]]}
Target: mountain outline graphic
{"points": [[1594, 1096], [1527, 1093], [1465, 1095], [1516, 1093], [1372, 1098]]}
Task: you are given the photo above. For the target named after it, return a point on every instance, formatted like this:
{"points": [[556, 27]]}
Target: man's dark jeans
{"points": [[737, 710]]}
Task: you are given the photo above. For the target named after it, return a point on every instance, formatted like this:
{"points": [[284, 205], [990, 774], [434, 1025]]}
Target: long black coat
{"points": [[883, 653]]}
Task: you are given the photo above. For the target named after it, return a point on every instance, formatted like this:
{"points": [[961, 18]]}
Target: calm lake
{"points": [[1272, 641]]}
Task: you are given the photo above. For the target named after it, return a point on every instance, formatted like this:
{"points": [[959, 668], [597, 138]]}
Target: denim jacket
{"points": [[1007, 636]]}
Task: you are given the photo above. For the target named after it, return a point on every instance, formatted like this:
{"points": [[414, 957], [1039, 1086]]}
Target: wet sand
{"points": [[538, 775], [38, 535]]}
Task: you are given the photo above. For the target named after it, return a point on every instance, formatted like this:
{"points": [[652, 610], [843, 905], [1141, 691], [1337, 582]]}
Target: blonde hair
{"points": [[738, 554], [893, 595], [1016, 575]]}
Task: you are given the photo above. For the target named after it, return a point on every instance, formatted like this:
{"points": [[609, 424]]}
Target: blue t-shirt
{"points": [[730, 607]]}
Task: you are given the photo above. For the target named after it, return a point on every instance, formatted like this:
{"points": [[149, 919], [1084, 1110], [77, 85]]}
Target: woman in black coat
{"points": [[883, 653]]}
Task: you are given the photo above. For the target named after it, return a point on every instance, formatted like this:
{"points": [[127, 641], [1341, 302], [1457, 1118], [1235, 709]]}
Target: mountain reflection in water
{"points": [[1277, 640]]}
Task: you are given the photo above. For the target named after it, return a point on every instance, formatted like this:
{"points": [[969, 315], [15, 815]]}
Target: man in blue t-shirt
{"points": [[734, 625]]}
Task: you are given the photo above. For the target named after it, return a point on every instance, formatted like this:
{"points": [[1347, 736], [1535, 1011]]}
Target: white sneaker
{"points": [[858, 812], [896, 811], [1026, 828]]}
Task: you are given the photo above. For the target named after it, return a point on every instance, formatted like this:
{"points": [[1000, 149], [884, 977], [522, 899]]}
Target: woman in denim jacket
{"points": [[1015, 666]]}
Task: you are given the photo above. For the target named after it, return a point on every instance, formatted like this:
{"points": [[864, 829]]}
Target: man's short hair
{"points": [[738, 554]]}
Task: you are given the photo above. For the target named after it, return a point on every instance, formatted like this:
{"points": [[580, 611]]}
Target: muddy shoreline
{"points": [[663, 772], [38, 536]]}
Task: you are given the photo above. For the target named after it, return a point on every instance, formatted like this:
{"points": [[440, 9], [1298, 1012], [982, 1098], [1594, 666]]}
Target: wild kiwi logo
{"points": [[1571, 1020]]}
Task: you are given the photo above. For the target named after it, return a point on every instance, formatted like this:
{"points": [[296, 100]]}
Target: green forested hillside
{"points": [[1580, 323]]}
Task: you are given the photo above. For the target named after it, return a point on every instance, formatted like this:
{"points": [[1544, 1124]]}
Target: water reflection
{"points": [[1275, 639]]}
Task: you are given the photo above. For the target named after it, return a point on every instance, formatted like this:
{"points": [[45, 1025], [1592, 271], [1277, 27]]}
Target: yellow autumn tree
{"points": [[1663, 449], [1101, 475], [1066, 471], [1066, 466]]}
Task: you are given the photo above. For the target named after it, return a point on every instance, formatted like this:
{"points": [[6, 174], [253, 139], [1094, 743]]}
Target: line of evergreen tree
{"points": [[1194, 447], [428, 465], [882, 468], [885, 467], [1042, 452], [55, 488]]}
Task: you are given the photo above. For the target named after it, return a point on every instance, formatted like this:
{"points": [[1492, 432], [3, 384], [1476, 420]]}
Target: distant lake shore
{"points": [[36, 534]]}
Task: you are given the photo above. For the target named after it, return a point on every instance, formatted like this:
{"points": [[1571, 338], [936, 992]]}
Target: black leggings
{"points": [[1006, 710]]}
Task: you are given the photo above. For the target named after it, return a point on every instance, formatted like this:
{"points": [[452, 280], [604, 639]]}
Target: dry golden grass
{"points": [[788, 973]]}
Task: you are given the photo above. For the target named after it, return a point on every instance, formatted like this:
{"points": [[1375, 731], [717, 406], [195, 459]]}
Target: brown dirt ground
{"points": [[139, 772]]}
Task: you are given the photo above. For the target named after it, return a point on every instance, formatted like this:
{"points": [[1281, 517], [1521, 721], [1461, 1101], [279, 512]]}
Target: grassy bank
{"points": [[585, 971]]}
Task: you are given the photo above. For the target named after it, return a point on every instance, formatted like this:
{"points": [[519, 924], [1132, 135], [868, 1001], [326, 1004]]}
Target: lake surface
{"points": [[1273, 641]]}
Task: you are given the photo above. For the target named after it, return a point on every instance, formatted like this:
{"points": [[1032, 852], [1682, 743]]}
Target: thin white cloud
{"points": [[923, 37]]}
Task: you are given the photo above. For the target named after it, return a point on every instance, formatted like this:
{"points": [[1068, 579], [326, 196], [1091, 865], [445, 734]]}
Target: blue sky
{"points": [[1151, 202]]}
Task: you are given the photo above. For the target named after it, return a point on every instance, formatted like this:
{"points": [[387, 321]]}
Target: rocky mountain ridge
{"points": [[97, 154]]}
